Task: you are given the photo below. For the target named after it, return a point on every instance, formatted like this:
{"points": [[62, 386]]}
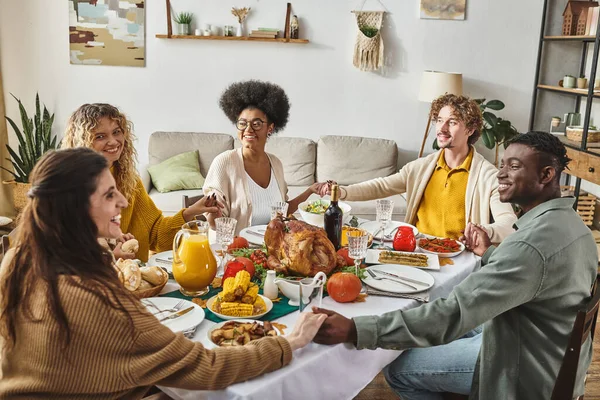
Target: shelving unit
{"points": [[551, 99], [234, 38]]}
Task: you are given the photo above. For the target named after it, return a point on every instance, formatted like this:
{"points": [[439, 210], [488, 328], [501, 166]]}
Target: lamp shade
{"points": [[436, 83]]}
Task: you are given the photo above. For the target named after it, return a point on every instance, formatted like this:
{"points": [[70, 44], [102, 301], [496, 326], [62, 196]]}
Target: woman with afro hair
{"points": [[248, 180]]}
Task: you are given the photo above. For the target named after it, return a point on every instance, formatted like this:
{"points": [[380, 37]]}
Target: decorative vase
{"points": [[569, 82], [183, 29], [239, 32], [581, 83], [19, 193]]}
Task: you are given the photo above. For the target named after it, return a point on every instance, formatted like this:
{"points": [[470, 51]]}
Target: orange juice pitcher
{"points": [[194, 264]]}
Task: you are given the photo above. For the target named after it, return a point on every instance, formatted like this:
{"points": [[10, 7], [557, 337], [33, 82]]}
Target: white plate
{"points": [[180, 324], [443, 255], [165, 259], [392, 226], [259, 238], [209, 305], [400, 270], [220, 324], [433, 261]]}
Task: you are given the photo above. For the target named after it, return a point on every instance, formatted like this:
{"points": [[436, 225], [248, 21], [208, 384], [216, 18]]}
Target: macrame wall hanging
{"points": [[368, 50]]}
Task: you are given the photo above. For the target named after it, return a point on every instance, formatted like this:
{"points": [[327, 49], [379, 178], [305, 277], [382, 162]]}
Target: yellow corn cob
{"points": [[241, 283], [228, 289], [259, 306], [251, 294], [236, 309]]}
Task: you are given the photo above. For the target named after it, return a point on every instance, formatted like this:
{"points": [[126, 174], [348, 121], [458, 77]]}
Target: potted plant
{"points": [[581, 82], [369, 31], [495, 130], [183, 21], [35, 140]]}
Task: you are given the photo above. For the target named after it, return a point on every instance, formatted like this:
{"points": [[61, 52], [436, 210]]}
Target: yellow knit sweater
{"points": [[145, 221], [107, 359]]}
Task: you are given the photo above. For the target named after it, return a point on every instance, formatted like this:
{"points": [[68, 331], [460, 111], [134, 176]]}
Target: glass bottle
{"points": [[332, 219], [294, 27]]}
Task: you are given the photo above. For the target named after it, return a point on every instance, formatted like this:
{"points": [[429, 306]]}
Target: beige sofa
{"points": [[345, 159]]}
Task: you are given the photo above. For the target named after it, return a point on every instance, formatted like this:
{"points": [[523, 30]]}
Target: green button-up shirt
{"points": [[527, 294]]}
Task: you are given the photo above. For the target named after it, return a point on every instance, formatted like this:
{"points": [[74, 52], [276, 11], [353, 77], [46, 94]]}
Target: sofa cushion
{"points": [[362, 209], [349, 159], [298, 156], [176, 173], [164, 145], [171, 202]]}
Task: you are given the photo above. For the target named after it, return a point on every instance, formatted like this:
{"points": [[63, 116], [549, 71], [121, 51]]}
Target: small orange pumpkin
{"points": [[344, 287]]}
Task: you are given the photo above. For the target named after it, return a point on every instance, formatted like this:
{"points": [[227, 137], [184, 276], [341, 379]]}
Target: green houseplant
{"points": [[495, 131], [183, 21], [35, 140]]}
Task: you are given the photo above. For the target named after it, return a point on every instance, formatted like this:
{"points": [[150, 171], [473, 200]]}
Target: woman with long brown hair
{"points": [[69, 329], [107, 130]]}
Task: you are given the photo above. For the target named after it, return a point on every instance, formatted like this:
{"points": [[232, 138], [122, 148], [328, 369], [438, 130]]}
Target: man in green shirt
{"points": [[526, 294]]}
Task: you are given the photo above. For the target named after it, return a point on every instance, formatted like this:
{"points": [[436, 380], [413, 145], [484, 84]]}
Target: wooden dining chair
{"points": [[189, 200], [584, 326]]}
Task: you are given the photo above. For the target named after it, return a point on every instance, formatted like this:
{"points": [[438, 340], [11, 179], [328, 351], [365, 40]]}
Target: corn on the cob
{"points": [[251, 294], [241, 283], [228, 290], [259, 306], [236, 309]]}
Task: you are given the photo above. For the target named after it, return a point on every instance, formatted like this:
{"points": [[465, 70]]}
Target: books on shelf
{"points": [[265, 33]]}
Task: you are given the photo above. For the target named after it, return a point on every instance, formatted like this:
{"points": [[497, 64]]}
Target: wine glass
{"points": [[225, 228], [279, 207], [384, 208], [357, 246]]}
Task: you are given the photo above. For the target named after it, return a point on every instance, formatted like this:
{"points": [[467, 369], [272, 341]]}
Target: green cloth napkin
{"points": [[279, 309]]}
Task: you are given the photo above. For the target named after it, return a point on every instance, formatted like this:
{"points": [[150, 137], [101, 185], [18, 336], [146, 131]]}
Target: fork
{"points": [[176, 308], [190, 333], [376, 277]]}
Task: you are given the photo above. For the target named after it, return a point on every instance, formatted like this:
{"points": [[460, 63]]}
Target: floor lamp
{"points": [[433, 85]]}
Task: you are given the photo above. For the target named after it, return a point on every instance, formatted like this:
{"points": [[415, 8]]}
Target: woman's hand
{"points": [[118, 253], [125, 237], [317, 188], [325, 189], [306, 328], [207, 204], [476, 239]]}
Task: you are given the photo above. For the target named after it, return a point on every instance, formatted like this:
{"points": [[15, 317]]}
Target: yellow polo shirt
{"points": [[442, 208]]}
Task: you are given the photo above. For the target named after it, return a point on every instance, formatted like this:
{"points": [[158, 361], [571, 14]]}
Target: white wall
{"points": [[495, 48]]}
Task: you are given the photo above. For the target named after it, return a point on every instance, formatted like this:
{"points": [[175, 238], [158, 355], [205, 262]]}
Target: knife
{"points": [[177, 314], [401, 277], [374, 292]]}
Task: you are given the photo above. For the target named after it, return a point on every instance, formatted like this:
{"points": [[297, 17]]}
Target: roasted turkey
{"points": [[298, 248]]}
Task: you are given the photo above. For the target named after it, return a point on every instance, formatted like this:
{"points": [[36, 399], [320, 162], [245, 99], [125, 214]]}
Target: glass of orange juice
{"points": [[194, 264]]}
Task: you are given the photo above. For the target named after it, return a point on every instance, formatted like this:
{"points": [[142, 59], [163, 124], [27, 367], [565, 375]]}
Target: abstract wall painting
{"points": [[107, 32], [443, 9]]}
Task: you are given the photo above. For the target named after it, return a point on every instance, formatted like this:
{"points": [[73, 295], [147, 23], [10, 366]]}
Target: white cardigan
{"points": [[481, 197], [227, 177]]}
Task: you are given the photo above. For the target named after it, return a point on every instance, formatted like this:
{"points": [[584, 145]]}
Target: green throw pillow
{"points": [[177, 173]]}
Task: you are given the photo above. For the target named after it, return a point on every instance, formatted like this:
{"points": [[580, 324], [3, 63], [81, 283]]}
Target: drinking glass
{"points": [[225, 228], [279, 207], [311, 294], [384, 208], [357, 247]]}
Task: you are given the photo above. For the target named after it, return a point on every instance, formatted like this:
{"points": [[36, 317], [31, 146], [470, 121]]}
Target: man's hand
{"points": [[207, 204], [476, 239], [336, 328]]}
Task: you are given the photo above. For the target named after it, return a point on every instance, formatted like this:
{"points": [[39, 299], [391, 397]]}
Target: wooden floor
{"points": [[379, 390]]}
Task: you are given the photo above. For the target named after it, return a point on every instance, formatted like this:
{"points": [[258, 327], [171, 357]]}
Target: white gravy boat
{"points": [[291, 287]]}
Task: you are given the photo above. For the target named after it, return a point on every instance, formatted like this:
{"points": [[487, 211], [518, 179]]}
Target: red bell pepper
{"points": [[404, 240]]}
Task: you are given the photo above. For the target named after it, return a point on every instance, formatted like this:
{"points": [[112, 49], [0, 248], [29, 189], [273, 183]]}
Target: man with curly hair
{"points": [[457, 177], [526, 294], [248, 180]]}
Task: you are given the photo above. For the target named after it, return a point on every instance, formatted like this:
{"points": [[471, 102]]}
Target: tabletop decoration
{"points": [[240, 14]]}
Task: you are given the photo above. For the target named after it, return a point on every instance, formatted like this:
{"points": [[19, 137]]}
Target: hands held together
{"points": [[476, 239], [208, 204]]}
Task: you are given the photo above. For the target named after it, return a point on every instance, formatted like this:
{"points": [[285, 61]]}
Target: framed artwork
{"points": [[107, 32], [443, 9]]}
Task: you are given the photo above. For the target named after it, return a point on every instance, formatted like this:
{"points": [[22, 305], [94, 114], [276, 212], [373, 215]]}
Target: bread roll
{"points": [[132, 276], [130, 246], [145, 285], [153, 274]]}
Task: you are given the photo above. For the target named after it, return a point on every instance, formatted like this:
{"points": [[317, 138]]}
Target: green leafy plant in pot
{"points": [[496, 131], [35, 140]]}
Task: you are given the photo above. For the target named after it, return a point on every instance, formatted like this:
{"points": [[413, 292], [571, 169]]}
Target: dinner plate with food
{"points": [[416, 260], [374, 228], [254, 234], [239, 299], [177, 314], [442, 247], [240, 332], [396, 278]]}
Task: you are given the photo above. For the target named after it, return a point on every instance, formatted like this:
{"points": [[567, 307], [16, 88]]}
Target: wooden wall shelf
{"points": [[234, 38], [584, 38], [577, 92]]}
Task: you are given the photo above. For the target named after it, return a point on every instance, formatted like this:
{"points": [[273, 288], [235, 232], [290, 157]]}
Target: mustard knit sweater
{"points": [[145, 221], [109, 359]]}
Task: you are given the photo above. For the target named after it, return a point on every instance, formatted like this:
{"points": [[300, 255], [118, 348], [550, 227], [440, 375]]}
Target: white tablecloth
{"points": [[330, 372]]}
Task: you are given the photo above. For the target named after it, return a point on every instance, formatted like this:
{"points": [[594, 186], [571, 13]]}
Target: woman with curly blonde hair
{"points": [[104, 128]]}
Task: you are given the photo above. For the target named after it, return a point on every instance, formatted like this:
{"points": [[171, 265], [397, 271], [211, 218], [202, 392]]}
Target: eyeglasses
{"points": [[256, 124]]}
